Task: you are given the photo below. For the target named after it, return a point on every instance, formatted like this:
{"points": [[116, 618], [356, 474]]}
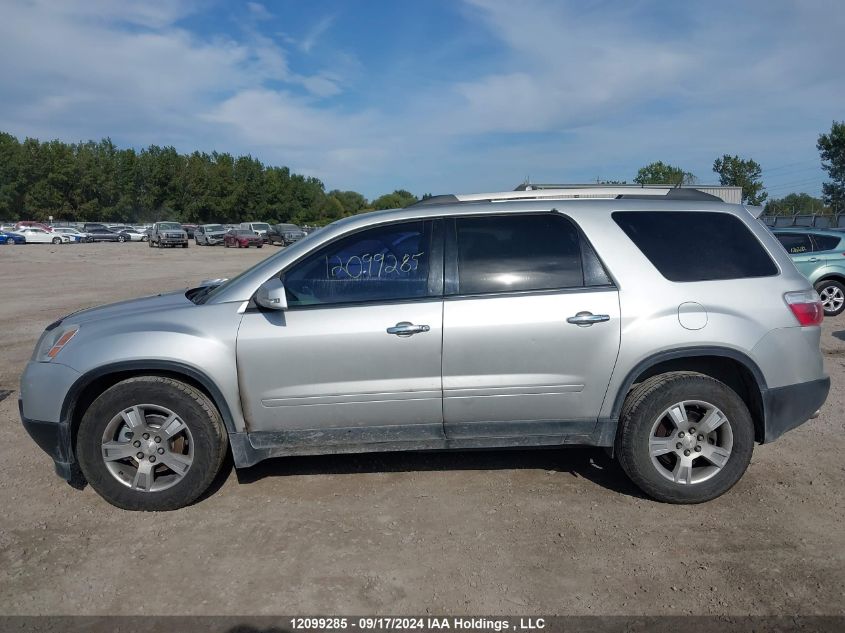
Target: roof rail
{"points": [[578, 192]]}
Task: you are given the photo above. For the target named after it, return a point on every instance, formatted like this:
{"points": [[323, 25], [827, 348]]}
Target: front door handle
{"points": [[406, 328], [813, 259], [586, 319]]}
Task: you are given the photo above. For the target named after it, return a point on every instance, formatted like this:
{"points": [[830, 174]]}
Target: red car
{"points": [[31, 224], [242, 238]]}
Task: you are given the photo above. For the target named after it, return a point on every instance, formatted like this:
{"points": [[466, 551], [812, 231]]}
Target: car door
{"points": [[531, 328], [801, 250], [38, 236], [356, 356]]}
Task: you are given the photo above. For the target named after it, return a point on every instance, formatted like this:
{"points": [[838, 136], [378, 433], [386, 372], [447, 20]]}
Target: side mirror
{"points": [[271, 295]]}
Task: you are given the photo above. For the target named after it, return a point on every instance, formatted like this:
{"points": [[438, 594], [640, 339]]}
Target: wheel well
{"points": [[732, 372], [92, 390], [833, 277]]}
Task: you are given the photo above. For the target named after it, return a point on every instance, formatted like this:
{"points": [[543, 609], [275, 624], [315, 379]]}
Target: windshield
{"points": [[244, 232], [260, 226], [288, 228], [170, 226], [213, 227]]}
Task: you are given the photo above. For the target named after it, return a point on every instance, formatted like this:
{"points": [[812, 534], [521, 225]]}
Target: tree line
{"points": [[99, 181]]}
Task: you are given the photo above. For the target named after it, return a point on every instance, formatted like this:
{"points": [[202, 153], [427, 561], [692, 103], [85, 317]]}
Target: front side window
{"points": [[795, 243], [517, 252], [385, 263]]}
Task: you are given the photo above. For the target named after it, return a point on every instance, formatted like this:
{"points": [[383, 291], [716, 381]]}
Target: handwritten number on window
{"points": [[371, 265]]}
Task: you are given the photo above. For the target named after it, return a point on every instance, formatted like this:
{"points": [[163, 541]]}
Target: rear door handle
{"points": [[586, 319], [813, 259], [406, 328]]}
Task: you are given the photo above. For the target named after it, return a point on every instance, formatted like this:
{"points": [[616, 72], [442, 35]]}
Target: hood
{"points": [[133, 307]]}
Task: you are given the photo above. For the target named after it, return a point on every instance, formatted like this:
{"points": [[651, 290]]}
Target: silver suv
{"points": [[667, 326]]}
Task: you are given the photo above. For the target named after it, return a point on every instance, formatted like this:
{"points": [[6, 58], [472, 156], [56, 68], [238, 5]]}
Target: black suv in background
{"points": [[284, 234]]}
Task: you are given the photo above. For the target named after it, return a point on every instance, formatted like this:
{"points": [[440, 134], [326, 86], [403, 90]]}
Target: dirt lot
{"points": [[553, 532]]}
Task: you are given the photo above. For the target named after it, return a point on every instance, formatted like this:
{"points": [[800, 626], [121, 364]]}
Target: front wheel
{"points": [[57, 240], [184, 245], [121, 238], [684, 437], [10, 240], [833, 296], [151, 443]]}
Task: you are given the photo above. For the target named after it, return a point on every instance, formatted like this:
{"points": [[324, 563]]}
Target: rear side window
{"points": [[795, 243], [696, 245], [517, 252], [826, 242]]}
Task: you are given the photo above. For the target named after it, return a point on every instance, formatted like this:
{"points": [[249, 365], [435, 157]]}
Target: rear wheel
{"points": [[184, 245], [833, 296], [121, 238], [684, 437], [151, 443], [10, 240], [57, 240]]}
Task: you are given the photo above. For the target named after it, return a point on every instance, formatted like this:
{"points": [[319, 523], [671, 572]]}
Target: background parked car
{"points": [[209, 234], [73, 234], [168, 234], [259, 228], [40, 236], [134, 235], [8, 237], [89, 226], [29, 224], [284, 234], [190, 229], [242, 238], [820, 256], [105, 235]]}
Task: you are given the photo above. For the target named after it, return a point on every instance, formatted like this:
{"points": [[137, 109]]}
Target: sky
{"points": [[437, 96]]}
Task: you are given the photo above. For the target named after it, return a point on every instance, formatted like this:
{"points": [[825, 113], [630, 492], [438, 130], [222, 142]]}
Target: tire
{"points": [[832, 293], [57, 240], [121, 238], [643, 426], [226, 244], [259, 245], [184, 245], [144, 238], [202, 434], [10, 241], [150, 243]]}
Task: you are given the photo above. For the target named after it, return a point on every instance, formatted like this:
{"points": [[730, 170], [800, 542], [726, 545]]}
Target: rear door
{"points": [[531, 327]]}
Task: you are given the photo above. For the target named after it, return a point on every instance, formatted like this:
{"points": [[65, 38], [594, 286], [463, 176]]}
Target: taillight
{"points": [[806, 305]]}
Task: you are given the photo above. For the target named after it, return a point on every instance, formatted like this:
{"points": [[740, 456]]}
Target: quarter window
{"points": [[826, 242], [380, 264], [517, 252], [696, 245]]}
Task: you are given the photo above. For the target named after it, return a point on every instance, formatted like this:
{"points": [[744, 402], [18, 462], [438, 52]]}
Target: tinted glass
{"points": [[795, 243], [517, 252], [826, 242], [380, 264], [696, 245]]}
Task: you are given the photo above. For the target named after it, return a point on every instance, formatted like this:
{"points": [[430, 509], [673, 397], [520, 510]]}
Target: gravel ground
{"points": [[519, 532]]}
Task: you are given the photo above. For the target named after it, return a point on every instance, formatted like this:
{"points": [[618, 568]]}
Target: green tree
{"points": [[659, 173], [396, 200], [733, 171], [352, 201], [831, 147], [12, 185], [802, 203]]}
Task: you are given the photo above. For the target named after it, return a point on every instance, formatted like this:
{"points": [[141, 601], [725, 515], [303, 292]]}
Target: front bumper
{"points": [[54, 439], [791, 406]]}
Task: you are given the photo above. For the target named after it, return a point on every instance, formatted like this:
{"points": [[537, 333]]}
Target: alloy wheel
{"points": [[690, 442], [832, 298], [147, 447]]}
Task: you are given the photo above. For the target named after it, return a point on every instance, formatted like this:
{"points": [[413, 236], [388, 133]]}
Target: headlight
{"points": [[53, 341]]}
